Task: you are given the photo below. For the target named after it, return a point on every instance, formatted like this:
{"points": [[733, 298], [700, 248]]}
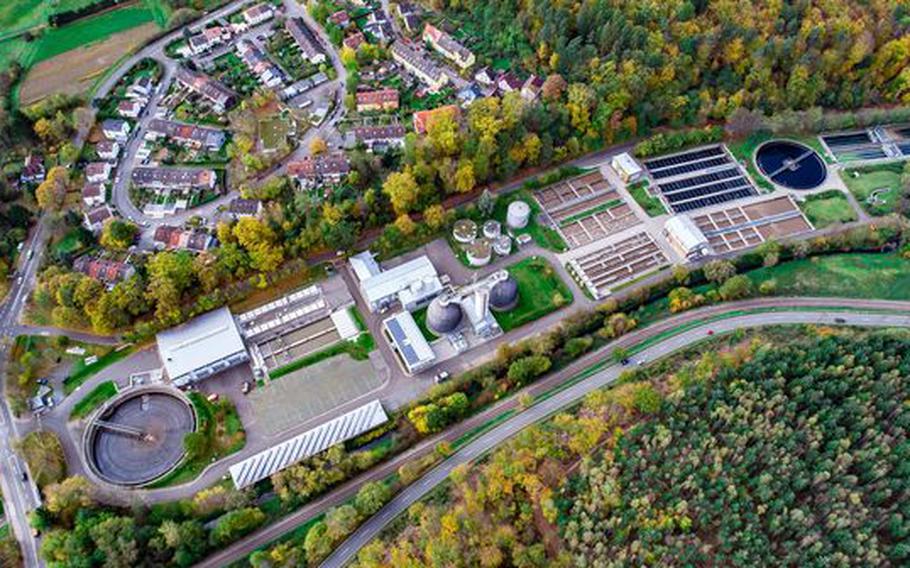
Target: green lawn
{"points": [[652, 205], [540, 291], [71, 243], [865, 180], [827, 208], [80, 371], [855, 275], [221, 425], [98, 395], [16, 15]]}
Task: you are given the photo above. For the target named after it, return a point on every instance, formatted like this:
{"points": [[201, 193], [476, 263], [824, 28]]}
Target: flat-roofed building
{"points": [[408, 342], [412, 284], [627, 168], [201, 347]]}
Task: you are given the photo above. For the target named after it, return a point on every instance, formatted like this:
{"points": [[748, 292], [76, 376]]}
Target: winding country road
{"points": [[696, 324]]}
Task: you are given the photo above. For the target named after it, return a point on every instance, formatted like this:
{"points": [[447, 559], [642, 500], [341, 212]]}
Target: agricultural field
{"points": [[884, 181]]}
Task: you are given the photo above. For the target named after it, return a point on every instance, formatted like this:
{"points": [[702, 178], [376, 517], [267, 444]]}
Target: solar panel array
{"points": [[699, 178], [310, 443], [404, 345]]}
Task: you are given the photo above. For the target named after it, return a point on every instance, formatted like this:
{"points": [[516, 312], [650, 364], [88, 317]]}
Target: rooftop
{"points": [[211, 337]]}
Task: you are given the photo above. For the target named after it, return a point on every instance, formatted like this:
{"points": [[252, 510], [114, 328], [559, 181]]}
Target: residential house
{"points": [[220, 97], [260, 65], [509, 82], [240, 207], [98, 172], [379, 138], [93, 194], [190, 135], [378, 28], [447, 46], [170, 237], [354, 41], [383, 99], [315, 170], [108, 150], [94, 219], [485, 76], [32, 170], [141, 89], [468, 95], [131, 108], [340, 19], [104, 270], [306, 40], [416, 62], [174, 179], [423, 118], [208, 38], [116, 129], [531, 88], [411, 23], [258, 14]]}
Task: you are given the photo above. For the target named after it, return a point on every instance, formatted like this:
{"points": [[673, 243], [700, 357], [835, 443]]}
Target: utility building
{"points": [[201, 347]]}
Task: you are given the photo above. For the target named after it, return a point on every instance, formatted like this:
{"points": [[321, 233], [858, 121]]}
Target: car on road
{"points": [[441, 377], [247, 386], [710, 332], [624, 361], [212, 397], [840, 320]]}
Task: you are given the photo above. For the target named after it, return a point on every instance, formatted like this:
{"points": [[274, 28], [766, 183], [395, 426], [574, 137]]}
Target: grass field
{"points": [[652, 205], [358, 349], [863, 181], [98, 395], [224, 432], [856, 275], [18, 15], [827, 208], [80, 371], [540, 291]]}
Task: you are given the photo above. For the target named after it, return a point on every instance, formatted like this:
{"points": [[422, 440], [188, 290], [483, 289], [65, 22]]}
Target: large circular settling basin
{"points": [[791, 164], [140, 438]]}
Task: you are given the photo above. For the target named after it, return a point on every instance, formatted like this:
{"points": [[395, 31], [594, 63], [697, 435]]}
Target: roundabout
{"points": [[791, 165], [138, 437]]}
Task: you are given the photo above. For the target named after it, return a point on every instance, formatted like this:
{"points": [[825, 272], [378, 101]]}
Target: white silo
{"points": [[518, 215]]}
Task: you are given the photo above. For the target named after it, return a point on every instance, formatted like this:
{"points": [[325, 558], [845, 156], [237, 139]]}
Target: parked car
{"points": [[212, 397], [247, 386], [441, 377]]}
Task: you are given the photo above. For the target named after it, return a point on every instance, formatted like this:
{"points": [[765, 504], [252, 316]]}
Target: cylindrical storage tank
{"points": [[503, 245], [443, 316], [479, 252], [504, 295], [518, 214], [464, 231], [492, 229]]}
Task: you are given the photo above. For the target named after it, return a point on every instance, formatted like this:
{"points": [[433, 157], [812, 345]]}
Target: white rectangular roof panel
{"points": [[199, 342], [310, 443]]}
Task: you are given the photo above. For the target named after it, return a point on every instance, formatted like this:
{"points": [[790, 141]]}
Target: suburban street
{"points": [[792, 310]]}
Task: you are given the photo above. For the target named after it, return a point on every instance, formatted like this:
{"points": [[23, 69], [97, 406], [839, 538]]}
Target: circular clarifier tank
{"points": [[138, 437], [791, 164]]}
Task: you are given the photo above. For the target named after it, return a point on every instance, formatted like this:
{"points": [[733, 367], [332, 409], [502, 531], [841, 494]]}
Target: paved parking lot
{"points": [[310, 392]]}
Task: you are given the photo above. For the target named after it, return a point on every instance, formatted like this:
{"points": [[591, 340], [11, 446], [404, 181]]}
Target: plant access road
{"points": [[660, 339]]}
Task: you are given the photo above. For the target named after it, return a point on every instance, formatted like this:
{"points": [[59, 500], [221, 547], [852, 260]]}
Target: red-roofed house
{"points": [[423, 118], [384, 99]]}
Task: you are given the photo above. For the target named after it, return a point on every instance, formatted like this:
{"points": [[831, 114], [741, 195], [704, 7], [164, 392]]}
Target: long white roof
{"points": [[310, 443], [686, 232], [409, 340], [199, 342]]}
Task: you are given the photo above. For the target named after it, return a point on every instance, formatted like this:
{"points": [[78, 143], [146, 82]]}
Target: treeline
{"points": [[58, 19], [752, 453], [682, 62]]}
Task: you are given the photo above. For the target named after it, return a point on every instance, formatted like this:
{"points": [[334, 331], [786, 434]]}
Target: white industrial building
{"points": [[408, 342], [310, 443], [627, 168], [412, 284], [201, 347], [686, 238]]}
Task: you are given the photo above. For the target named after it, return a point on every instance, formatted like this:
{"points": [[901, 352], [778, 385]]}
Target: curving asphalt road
{"points": [[795, 310], [486, 442]]}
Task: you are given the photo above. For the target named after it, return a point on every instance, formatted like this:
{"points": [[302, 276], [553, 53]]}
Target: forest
{"points": [[781, 447]]}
